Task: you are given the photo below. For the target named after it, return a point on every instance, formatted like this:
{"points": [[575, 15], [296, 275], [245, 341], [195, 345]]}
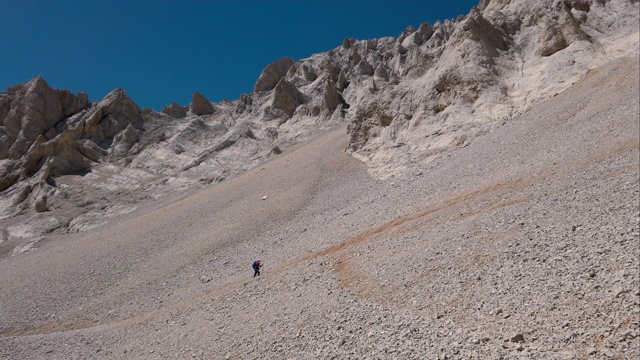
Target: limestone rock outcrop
{"points": [[287, 97], [406, 101], [175, 110], [33, 114], [31, 110], [560, 32], [332, 98], [200, 105], [272, 74], [48, 133]]}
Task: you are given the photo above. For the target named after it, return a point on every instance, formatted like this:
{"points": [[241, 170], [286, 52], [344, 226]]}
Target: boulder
{"points": [[41, 204], [551, 41]]}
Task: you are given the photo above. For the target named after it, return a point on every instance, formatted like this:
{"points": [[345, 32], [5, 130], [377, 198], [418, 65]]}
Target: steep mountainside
{"points": [[468, 190], [523, 244], [66, 164]]}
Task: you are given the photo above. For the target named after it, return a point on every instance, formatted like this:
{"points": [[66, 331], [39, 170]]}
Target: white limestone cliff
{"points": [[405, 101]]}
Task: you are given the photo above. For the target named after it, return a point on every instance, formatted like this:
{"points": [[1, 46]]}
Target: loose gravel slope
{"points": [[523, 244]]}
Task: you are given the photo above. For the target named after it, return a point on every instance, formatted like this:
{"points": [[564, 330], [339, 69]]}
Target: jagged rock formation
{"points": [[531, 255], [272, 75], [520, 243], [286, 97], [48, 133], [444, 84], [201, 105], [175, 110], [406, 101]]}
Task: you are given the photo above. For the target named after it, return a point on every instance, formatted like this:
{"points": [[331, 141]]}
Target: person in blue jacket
{"points": [[256, 267]]}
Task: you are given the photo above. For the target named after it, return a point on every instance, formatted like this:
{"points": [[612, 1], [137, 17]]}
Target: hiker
{"points": [[256, 267]]}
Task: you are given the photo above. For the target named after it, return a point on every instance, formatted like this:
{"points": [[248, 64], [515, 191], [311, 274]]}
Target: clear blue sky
{"points": [[162, 51]]}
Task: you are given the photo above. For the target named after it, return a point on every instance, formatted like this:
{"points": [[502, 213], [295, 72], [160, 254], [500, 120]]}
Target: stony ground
{"points": [[523, 244]]}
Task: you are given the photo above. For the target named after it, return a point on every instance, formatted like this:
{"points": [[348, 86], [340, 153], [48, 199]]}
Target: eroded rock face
{"points": [[287, 97], [201, 105], [30, 110], [455, 80], [332, 98], [560, 31], [272, 74], [60, 133], [175, 110], [34, 114], [406, 101]]}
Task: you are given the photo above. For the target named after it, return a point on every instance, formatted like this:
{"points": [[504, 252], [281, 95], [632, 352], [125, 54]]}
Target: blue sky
{"points": [[162, 51]]}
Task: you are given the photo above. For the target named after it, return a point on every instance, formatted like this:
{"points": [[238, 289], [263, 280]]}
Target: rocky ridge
{"points": [[406, 100]]}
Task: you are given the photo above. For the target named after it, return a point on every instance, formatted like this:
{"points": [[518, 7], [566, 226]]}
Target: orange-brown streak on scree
{"points": [[368, 236]]}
